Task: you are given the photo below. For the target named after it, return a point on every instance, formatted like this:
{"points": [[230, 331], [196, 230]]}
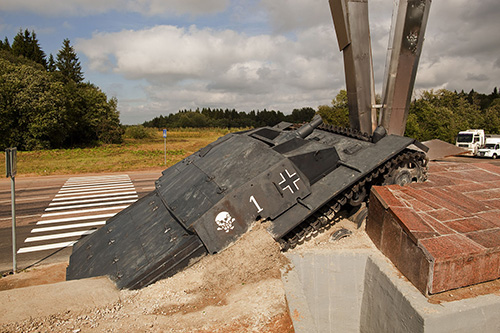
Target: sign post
{"points": [[11, 170], [165, 144]]}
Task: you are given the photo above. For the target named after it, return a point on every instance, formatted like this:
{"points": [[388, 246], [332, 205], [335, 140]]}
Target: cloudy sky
{"points": [[159, 56]]}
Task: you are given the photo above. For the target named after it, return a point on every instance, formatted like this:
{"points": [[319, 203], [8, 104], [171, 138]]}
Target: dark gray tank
{"points": [[296, 179]]}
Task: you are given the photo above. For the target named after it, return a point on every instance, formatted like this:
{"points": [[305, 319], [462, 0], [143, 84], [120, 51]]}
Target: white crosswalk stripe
{"points": [[80, 207]]}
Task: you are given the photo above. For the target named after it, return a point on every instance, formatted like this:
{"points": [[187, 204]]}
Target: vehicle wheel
{"points": [[494, 156]]}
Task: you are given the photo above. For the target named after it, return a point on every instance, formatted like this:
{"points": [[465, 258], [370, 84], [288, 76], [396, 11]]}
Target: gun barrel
{"points": [[307, 129]]}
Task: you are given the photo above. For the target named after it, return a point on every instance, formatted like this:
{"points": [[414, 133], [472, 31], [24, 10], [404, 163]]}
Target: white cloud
{"points": [[462, 46], [90, 7], [290, 15], [191, 67], [296, 64]]}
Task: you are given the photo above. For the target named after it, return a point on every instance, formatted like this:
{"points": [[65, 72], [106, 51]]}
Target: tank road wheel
{"points": [[410, 167], [358, 197]]}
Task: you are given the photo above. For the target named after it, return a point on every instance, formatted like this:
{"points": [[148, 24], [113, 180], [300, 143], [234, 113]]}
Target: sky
{"points": [[160, 56]]}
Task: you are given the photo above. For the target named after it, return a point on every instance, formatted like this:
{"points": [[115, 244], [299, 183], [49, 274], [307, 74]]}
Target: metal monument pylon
{"points": [[409, 21]]}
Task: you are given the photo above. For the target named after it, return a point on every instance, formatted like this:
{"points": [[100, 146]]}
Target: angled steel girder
{"points": [[350, 18], [405, 46]]}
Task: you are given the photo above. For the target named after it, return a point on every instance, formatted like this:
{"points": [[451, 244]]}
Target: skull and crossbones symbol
{"points": [[225, 221]]}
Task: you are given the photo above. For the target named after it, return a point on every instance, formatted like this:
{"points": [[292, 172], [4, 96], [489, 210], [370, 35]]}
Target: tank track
{"points": [[346, 131], [408, 166]]}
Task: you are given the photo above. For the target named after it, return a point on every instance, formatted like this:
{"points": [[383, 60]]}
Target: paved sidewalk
{"points": [[445, 233]]}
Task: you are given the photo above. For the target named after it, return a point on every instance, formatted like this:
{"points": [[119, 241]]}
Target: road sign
{"points": [[10, 162], [165, 133]]}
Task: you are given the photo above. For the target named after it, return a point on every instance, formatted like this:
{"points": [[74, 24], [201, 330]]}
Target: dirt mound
{"points": [[237, 290]]}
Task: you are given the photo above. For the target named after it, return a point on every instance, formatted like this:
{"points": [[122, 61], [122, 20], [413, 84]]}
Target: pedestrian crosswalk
{"points": [[82, 205]]}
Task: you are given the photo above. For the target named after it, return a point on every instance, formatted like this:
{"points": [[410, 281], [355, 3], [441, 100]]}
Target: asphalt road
{"points": [[37, 208]]}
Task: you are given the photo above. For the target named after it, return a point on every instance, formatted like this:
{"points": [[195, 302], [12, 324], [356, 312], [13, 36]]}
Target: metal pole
{"points": [[165, 144], [165, 148], [13, 199]]}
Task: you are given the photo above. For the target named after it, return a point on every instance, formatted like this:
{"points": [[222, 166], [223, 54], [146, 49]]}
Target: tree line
{"points": [[45, 104], [437, 114], [226, 118]]}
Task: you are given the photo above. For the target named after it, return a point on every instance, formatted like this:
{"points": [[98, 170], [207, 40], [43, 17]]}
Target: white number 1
{"points": [[259, 209]]}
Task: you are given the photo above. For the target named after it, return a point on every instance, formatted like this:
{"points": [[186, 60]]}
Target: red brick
{"points": [[390, 243], [479, 176], [443, 215], [418, 186], [492, 216], [417, 235], [458, 178], [417, 205], [493, 204], [400, 195], [438, 202], [393, 187], [488, 167], [385, 196], [434, 232], [460, 167], [375, 219], [490, 239], [493, 184], [469, 187], [436, 180], [410, 221], [470, 224], [465, 271], [457, 201], [421, 196], [436, 225], [490, 269], [437, 167], [450, 246], [414, 263], [485, 194], [454, 273]]}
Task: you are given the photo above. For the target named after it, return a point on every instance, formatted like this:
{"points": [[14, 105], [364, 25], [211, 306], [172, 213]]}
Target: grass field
{"points": [[133, 154]]}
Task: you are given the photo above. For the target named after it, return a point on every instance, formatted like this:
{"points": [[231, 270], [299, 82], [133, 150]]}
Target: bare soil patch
{"points": [[237, 290], [35, 276]]}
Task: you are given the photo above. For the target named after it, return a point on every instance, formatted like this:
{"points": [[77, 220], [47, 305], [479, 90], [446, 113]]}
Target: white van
{"points": [[491, 148], [472, 140]]}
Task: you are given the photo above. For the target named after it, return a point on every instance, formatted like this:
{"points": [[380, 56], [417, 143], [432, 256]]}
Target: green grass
{"points": [[133, 154]]}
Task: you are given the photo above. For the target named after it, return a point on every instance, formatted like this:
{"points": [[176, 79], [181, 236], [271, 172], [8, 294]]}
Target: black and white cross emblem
{"points": [[289, 181]]}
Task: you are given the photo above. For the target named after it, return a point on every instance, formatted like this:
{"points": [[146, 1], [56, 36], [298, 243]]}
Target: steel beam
{"points": [[405, 46], [350, 18]]}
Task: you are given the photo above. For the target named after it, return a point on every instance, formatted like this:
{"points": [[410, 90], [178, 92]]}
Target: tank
{"points": [[297, 179]]}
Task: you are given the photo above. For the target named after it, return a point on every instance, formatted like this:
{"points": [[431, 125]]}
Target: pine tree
{"points": [[5, 45], [68, 63], [51, 66], [26, 44]]}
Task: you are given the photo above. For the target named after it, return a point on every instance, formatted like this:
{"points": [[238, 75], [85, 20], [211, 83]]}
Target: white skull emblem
{"points": [[224, 221]]}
